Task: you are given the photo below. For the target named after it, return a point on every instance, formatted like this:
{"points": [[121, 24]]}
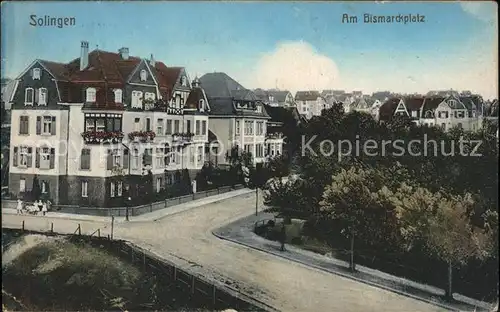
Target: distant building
{"points": [[310, 103], [276, 98]]}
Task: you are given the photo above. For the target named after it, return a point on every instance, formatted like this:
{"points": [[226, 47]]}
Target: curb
{"points": [[397, 291]]}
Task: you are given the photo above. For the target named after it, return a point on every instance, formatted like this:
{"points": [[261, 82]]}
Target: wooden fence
{"points": [[135, 210], [207, 292]]}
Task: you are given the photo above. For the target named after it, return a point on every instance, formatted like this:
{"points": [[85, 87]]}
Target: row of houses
{"points": [[81, 126]]}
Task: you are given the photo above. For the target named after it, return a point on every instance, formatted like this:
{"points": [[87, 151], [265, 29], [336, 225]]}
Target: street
{"points": [[186, 239]]}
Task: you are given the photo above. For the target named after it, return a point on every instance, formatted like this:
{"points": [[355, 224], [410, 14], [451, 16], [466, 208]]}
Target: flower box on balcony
{"points": [[142, 136], [96, 137]]}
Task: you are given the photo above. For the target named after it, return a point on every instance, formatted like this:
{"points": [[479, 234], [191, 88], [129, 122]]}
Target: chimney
{"points": [[152, 61], [84, 55], [123, 53], [196, 82]]}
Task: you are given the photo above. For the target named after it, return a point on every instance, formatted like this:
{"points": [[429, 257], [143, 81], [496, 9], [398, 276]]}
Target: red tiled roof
{"points": [[106, 70]]}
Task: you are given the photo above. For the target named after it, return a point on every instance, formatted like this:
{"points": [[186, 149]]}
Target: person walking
{"points": [[19, 206], [44, 208], [283, 236]]}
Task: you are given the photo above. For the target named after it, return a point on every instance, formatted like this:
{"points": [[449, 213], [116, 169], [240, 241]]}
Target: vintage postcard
{"points": [[249, 156]]}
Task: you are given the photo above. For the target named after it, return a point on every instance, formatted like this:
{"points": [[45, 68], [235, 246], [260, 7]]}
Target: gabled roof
{"points": [[307, 95], [194, 97], [432, 102], [388, 108], [413, 103], [220, 85]]}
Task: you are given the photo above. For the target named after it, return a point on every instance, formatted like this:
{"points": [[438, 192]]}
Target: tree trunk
{"points": [[352, 265], [449, 293], [256, 201]]}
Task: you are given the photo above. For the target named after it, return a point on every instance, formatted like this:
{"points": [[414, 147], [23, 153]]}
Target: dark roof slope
{"points": [[307, 95], [219, 85], [388, 108], [413, 103], [431, 103]]}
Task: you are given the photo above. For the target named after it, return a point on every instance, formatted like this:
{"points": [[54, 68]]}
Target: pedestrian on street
{"points": [[44, 208], [19, 206], [283, 237]]}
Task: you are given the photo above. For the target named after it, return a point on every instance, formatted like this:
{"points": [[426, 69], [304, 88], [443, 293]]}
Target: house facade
{"points": [[237, 118], [310, 103], [275, 98], [90, 129]]}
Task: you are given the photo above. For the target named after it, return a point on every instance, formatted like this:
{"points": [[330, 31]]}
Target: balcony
{"points": [[142, 136], [182, 137], [98, 137]]}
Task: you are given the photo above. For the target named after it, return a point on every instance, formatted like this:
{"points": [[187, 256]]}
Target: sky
{"points": [[285, 45]]}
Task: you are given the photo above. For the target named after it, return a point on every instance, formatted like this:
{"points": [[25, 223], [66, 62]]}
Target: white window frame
{"points": [[158, 185], [44, 187], [119, 188], [44, 158], [149, 96], [160, 158], [47, 124], [203, 127], [159, 126], [90, 95], [90, 125], [143, 75], [117, 159], [136, 100], [237, 127], [26, 102], [184, 81], [98, 126], [112, 189], [42, 96], [23, 151], [85, 189], [22, 185], [37, 73], [135, 159], [118, 96]]}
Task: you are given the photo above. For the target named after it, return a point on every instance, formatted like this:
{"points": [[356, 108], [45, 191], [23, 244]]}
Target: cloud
{"points": [[295, 66], [485, 11]]}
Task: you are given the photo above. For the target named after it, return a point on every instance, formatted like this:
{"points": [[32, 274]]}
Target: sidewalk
{"points": [[241, 232], [147, 217]]}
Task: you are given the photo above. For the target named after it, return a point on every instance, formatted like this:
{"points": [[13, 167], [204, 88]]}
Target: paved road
{"points": [[186, 239]]}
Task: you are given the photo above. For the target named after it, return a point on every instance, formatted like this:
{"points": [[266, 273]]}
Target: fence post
{"points": [[51, 227], [98, 232], [151, 207], [79, 230], [165, 203], [23, 226], [112, 224]]}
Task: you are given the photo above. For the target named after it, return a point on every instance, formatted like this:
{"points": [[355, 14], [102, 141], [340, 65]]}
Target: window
{"points": [[169, 180], [443, 114], [160, 160], [158, 185], [36, 74], [459, 125], [91, 95], [148, 124], [459, 114], [117, 160], [23, 125], [100, 125], [119, 188], [248, 148], [249, 127], [169, 127], [204, 127], [176, 126], [22, 185], [144, 75], [85, 189], [42, 96], [85, 159], [259, 150], [178, 155], [135, 159], [260, 128], [159, 126], [149, 96], [178, 100], [414, 113], [259, 109], [45, 158], [47, 125], [201, 105], [198, 128], [136, 101], [188, 126], [45, 187], [201, 156], [137, 124], [112, 189], [28, 96], [118, 96], [237, 127], [25, 156], [443, 126]]}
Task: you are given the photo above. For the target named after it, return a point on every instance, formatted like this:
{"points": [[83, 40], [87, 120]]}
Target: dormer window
{"points": [[259, 109], [183, 81], [118, 96], [144, 75], [36, 73], [91, 95], [201, 105]]}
